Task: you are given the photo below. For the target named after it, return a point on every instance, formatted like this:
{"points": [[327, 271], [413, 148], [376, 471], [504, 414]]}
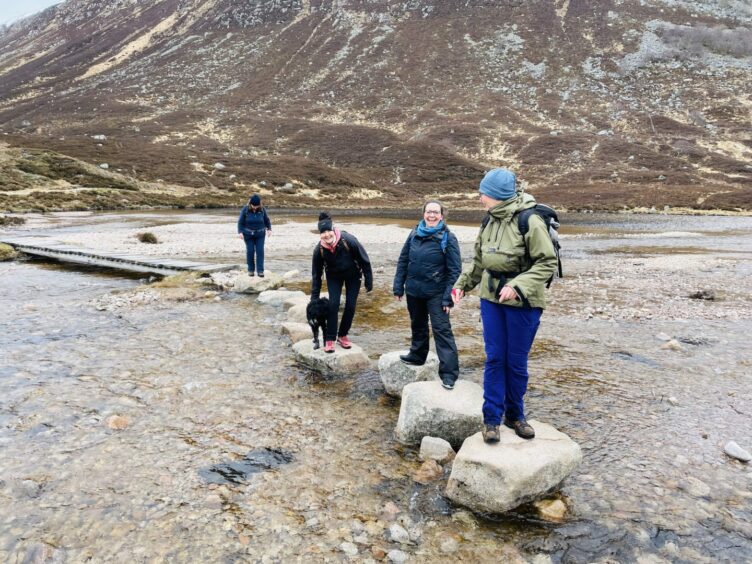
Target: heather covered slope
{"points": [[599, 105]]}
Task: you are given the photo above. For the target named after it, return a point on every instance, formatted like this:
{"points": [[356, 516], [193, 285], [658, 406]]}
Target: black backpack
{"points": [[551, 219]]}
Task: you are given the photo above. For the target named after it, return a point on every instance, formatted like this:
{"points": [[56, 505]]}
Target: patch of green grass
{"points": [[57, 167]]}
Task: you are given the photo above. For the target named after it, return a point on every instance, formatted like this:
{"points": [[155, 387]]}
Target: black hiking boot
{"points": [[260, 274], [491, 434], [410, 359], [521, 427], [447, 383]]}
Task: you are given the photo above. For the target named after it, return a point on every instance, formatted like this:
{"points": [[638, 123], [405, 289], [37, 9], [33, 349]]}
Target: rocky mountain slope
{"points": [[377, 102]]}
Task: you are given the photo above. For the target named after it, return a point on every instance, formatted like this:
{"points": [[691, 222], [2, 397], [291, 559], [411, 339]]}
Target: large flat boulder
{"points": [[297, 314], [395, 374], [245, 284], [341, 361], [298, 331], [428, 409], [279, 297], [498, 477]]}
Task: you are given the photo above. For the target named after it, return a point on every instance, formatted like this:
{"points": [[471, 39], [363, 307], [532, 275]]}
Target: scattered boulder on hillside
{"points": [[428, 409], [704, 294], [245, 284], [340, 362], [395, 374], [494, 478], [288, 188]]}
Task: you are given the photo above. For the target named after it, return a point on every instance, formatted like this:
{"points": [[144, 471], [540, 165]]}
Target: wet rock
{"points": [[397, 556], [429, 471], [349, 548], [7, 252], [551, 509], [297, 331], [245, 284], [427, 409], [434, 448], [672, 345], [342, 361], [278, 297], [497, 478], [225, 280], [118, 422], [735, 451], [397, 533], [705, 294], [395, 374]]}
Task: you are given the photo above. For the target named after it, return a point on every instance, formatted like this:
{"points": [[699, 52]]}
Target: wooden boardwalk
{"points": [[147, 265]]}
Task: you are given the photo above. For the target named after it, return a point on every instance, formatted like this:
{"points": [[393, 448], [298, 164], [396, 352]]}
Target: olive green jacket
{"points": [[500, 247]]}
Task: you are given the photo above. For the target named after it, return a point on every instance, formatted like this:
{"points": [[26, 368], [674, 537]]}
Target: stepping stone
{"points": [[395, 374], [494, 478], [245, 284], [340, 362], [278, 297], [429, 410], [299, 332]]}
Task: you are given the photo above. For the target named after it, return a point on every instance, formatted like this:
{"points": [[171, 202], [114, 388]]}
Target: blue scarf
{"points": [[424, 231]]}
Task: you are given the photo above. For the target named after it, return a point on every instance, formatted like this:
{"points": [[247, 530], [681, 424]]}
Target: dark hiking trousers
{"points": [[421, 309], [508, 333], [254, 245], [334, 286]]}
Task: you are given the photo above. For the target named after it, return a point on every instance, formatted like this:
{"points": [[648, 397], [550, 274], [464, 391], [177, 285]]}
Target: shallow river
{"points": [[222, 449]]}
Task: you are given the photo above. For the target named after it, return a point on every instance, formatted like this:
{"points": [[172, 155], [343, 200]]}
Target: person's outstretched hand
{"points": [[457, 295]]}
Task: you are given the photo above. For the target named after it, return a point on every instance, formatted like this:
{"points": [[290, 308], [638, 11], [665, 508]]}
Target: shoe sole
{"points": [[412, 363], [447, 387], [344, 346]]}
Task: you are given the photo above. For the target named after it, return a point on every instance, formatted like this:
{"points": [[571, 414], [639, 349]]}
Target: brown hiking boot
{"points": [[491, 434], [521, 427]]}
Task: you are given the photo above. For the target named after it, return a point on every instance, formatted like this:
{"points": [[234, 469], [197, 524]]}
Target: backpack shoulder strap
{"points": [[523, 220], [485, 221]]}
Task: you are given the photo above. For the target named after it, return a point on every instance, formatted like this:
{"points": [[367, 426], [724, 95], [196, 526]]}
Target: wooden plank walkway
{"points": [[147, 265]]}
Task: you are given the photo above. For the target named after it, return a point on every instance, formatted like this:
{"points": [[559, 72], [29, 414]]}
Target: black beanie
{"points": [[255, 200], [325, 222]]}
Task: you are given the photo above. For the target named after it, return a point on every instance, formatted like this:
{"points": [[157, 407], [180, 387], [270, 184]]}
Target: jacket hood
{"points": [[507, 209]]}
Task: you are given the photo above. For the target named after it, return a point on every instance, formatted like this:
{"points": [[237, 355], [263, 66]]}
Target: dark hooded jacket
{"points": [[424, 270], [349, 260]]}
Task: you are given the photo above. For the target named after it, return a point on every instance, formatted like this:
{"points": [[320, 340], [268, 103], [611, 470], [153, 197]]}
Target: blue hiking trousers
{"points": [[508, 333], [254, 245]]}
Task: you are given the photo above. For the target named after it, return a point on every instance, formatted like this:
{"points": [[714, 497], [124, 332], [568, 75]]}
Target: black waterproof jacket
{"points": [[349, 260], [424, 270]]}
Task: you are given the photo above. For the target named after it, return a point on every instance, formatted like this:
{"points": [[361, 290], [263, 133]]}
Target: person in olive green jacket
{"points": [[512, 271]]}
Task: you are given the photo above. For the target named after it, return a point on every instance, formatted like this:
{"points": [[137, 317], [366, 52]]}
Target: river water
{"points": [[182, 430]]}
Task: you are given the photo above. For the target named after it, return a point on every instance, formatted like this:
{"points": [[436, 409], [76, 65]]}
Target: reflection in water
{"points": [[202, 381]]}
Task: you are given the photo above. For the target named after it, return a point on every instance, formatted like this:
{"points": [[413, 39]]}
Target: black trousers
{"points": [[352, 289], [421, 309]]}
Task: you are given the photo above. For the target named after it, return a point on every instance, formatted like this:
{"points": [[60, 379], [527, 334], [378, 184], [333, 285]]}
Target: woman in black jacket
{"points": [[345, 262], [428, 266]]}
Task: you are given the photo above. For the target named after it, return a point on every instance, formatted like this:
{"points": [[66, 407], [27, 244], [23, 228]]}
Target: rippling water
{"points": [[114, 425]]}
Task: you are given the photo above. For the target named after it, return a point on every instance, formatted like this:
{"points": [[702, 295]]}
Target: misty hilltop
{"points": [[601, 105]]}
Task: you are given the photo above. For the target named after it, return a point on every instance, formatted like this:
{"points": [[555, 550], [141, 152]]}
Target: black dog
{"points": [[317, 312]]}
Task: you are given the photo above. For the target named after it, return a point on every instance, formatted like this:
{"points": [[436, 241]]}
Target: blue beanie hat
{"points": [[499, 184], [255, 200]]}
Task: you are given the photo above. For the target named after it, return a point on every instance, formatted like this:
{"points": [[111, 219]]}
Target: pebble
{"points": [[397, 556], [390, 511], [735, 451], [397, 533], [663, 337], [672, 345], [378, 552], [118, 422], [349, 548], [551, 509], [449, 545], [673, 401]]}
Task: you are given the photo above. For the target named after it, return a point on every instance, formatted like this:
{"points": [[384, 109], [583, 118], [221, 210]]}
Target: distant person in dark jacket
{"points": [[253, 227], [346, 263], [428, 266]]}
